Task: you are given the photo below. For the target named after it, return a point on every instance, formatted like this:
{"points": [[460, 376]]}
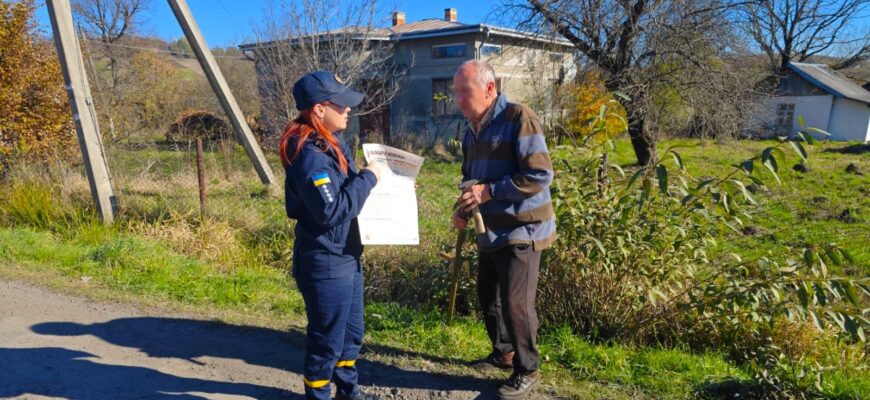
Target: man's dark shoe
{"points": [[495, 361], [519, 385]]}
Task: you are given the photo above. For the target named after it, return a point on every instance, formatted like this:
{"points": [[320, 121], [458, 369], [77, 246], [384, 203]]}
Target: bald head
{"points": [[474, 85]]}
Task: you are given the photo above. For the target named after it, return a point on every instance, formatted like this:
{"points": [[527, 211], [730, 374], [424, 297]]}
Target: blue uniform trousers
{"points": [[335, 333]]}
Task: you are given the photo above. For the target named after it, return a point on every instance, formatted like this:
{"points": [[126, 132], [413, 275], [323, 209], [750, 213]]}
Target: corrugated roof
{"points": [[419, 26], [423, 25], [830, 81]]}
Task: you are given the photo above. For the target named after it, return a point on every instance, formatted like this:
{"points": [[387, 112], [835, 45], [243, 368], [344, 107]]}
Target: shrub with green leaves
{"points": [[632, 261]]}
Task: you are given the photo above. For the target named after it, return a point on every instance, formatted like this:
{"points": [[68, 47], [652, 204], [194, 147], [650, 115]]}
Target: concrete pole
{"points": [[82, 105], [221, 89]]}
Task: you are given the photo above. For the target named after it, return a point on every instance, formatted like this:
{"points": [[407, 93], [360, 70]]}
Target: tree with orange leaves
{"points": [[584, 106], [35, 120]]}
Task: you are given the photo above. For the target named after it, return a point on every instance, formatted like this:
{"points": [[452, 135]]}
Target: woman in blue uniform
{"points": [[324, 194]]}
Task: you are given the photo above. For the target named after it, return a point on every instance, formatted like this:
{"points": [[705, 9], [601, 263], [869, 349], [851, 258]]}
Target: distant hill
{"points": [[178, 52]]}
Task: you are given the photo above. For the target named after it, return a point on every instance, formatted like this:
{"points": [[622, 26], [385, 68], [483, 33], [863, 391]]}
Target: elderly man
{"points": [[504, 149]]}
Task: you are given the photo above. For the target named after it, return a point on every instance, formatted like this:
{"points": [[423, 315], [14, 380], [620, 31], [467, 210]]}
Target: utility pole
{"points": [[221, 89], [81, 103]]}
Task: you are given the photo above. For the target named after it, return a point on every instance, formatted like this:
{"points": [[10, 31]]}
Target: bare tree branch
{"points": [[109, 21], [797, 30], [645, 48], [342, 36]]}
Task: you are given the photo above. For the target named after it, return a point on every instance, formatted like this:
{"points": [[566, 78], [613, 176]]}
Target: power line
{"points": [[221, 3]]}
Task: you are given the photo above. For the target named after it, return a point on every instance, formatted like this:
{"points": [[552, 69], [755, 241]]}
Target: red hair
{"points": [[305, 125]]}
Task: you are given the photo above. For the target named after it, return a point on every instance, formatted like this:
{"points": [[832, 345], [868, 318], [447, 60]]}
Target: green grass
{"points": [[139, 266], [157, 194], [659, 373], [803, 210]]}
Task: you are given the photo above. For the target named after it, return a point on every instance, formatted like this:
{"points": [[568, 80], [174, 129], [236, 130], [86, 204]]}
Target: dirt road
{"points": [[59, 346]]}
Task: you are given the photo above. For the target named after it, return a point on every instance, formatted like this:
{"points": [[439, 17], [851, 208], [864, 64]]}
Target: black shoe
{"points": [[519, 385], [495, 361], [358, 396], [339, 396]]}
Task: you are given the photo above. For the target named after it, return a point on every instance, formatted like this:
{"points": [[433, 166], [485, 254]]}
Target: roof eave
{"points": [[477, 29], [836, 93], [320, 38], [459, 30]]}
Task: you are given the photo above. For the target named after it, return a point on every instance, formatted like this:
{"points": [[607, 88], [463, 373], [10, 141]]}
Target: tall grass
{"points": [[53, 198]]}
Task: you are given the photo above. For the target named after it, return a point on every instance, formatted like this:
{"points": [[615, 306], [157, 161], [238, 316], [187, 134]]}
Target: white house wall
{"points": [[815, 110], [850, 120]]}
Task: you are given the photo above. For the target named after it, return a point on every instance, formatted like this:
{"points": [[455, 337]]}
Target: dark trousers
{"points": [[335, 332], [507, 283]]}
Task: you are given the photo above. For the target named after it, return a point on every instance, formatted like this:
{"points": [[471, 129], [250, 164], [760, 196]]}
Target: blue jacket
{"points": [[510, 154], [325, 203]]}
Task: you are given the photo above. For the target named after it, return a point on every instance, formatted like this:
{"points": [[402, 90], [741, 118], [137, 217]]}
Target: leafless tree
{"points": [[109, 21], [640, 46], [342, 36], [796, 30]]}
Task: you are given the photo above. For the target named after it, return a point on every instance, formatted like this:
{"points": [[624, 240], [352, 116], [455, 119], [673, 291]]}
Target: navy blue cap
{"points": [[317, 87]]}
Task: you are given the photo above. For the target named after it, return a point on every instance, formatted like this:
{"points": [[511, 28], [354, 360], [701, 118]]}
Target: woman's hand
{"points": [[377, 168]]}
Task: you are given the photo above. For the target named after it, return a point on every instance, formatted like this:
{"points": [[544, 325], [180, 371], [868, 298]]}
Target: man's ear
{"points": [[490, 89]]}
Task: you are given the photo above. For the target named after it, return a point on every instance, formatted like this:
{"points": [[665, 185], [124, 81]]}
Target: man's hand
{"points": [[474, 197], [458, 222]]}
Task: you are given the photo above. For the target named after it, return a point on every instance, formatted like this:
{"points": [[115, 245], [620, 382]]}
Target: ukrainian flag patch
{"points": [[321, 179]]}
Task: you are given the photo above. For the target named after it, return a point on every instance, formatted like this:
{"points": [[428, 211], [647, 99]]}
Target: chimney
{"points": [[398, 18], [450, 14]]}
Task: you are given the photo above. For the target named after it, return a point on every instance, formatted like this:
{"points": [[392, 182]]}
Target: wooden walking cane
{"points": [[457, 259]]}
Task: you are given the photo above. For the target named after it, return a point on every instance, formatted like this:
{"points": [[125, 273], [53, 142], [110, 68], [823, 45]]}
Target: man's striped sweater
{"points": [[509, 153]]}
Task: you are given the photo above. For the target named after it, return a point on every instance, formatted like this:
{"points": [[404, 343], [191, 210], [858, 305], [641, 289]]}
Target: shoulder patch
{"points": [[321, 179], [322, 183]]}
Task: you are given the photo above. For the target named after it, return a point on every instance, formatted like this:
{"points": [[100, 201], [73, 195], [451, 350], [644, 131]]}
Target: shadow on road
{"points": [[75, 374], [59, 372]]}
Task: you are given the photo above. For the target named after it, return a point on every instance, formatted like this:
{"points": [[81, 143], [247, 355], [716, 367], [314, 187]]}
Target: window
{"points": [[784, 118], [490, 50], [443, 97], [448, 50]]}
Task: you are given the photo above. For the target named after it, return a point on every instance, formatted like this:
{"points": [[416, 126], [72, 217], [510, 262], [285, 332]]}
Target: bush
{"points": [[35, 119], [632, 264], [193, 124], [585, 118]]}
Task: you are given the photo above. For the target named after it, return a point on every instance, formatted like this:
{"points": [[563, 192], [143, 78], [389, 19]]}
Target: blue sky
{"points": [[229, 22]]}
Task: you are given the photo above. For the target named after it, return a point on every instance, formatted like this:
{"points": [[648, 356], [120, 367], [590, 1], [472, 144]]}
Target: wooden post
{"points": [[200, 176], [455, 273], [226, 155], [221, 89], [82, 105]]}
